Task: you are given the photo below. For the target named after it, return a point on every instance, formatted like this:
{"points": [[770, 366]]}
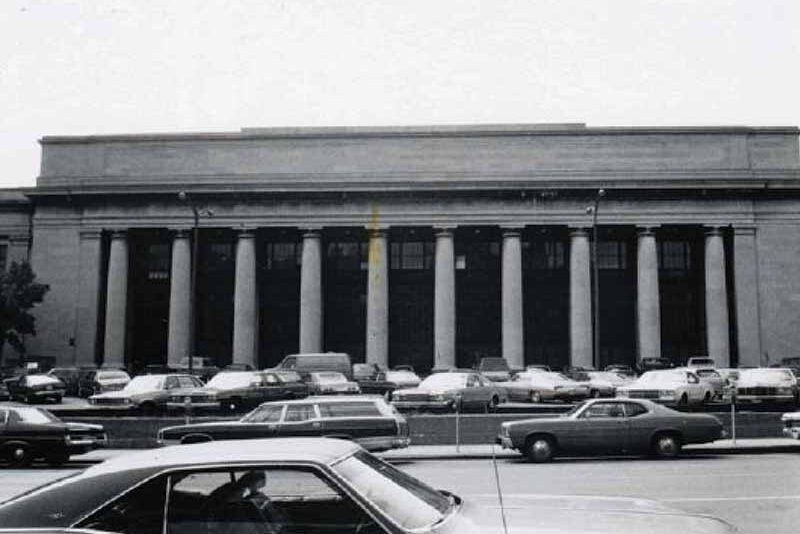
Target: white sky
{"points": [[131, 66]]}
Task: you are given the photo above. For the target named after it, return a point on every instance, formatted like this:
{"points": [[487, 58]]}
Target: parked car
{"points": [[367, 420], [714, 379], [449, 391], [371, 379], [203, 367], [767, 384], [540, 386], [317, 362], [729, 375], [701, 362], [28, 433], [677, 387], [791, 425], [235, 390], [403, 378], [603, 426], [653, 364], [604, 383], [330, 383], [70, 376], [313, 485], [621, 369], [495, 369], [238, 367], [95, 381], [148, 393], [404, 367], [577, 373], [35, 388]]}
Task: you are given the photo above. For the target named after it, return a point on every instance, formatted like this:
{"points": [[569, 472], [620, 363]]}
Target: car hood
{"points": [[546, 514], [760, 383], [424, 391]]}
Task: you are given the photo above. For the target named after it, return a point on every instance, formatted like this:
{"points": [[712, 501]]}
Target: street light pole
{"points": [[596, 285]]}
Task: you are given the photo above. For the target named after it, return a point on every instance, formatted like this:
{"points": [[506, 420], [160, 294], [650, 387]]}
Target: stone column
{"points": [[580, 299], [180, 298], [444, 314], [311, 293], [378, 300], [748, 306], [647, 296], [245, 299], [88, 297], [116, 301], [716, 299], [512, 314]]}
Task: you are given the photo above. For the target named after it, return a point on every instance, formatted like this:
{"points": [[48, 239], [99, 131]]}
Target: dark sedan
{"points": [[368, 420], [28, 433], [619, 426], [36, 388], [295, 486]]}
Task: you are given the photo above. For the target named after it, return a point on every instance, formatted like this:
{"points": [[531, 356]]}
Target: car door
{"points": [[263, 422], [603, 428], [640, 426], [301, 419], [271, 387], [694, 388]]}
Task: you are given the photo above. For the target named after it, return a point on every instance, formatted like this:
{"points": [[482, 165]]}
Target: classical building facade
{"points": [[425, 245]]}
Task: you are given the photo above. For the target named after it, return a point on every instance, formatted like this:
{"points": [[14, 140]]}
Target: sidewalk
{"points": [[466, 452]]}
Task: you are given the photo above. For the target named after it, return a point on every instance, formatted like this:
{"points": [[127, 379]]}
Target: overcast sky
{"points": [[131, 66]]}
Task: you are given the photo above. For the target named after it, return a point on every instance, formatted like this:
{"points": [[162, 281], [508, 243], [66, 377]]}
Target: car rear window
{"points": [[349, 409]]}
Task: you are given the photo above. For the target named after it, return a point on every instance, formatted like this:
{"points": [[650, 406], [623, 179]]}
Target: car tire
{"points": [[535, 397], [20, 455], [707, 398], [540, 449], [666, 446], [233, 405], [491, 406], [684, 401]]}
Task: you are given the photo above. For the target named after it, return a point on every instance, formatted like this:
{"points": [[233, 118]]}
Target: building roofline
{"points": [[456, 130]]}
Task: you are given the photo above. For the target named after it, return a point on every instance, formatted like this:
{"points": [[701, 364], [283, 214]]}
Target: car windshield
{"points": [[444, 380], [112, 375], [400, 375], [144, 383], [328, 378], [652, 377], [405, 500], [701, 361], [36, 416], [289, 376], [607, 376], [707, 373], [39, 380], [493, 364], [230, 380]]}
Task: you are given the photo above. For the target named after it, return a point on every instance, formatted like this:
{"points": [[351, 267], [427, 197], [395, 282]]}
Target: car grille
{"points": [[644, 394], [109, 402], [192, 398], [415, 397], [757, 391]]}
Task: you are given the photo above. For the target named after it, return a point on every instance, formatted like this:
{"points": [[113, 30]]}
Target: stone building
{"points": [[425, 245]]}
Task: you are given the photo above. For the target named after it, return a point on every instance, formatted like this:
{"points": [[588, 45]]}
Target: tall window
{"points": [[348, 255], [412, 255], [158, 261], [611, 255], [544, 255], [282, 256], [675, 256], [3, 256]]}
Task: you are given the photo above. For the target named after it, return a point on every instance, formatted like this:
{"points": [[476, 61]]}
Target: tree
{"points": [[19, 292]]}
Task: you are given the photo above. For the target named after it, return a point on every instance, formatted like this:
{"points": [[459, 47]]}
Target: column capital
{"points": [[180, 233], [86, 234], [579, 231], [646, 230], [246, 233], [311, 233], [511, 231], [713, 231], [119, 234], [444, 230], [378, 233]]}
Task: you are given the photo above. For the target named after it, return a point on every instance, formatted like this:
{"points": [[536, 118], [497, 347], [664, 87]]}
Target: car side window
{"points": [[140, 511], [296, 413], [633, 409], [349, 409], [290, 363], [604, 410], [266, 414], [692, 378], [472, 382], [186, 382], [171, 382], [262, 500]]}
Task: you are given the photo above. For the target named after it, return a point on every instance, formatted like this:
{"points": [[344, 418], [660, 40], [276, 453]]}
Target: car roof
{"points": [[290, 450], [327, 399]]}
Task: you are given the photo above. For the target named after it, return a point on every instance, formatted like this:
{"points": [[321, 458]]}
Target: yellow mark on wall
{"points": [[373, 253]]}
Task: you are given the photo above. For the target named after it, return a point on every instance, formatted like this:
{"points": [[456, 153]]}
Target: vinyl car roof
{"points": [[289, 450]]}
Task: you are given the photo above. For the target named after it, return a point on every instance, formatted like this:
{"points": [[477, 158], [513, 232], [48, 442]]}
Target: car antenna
{"points": [[499, 491]]}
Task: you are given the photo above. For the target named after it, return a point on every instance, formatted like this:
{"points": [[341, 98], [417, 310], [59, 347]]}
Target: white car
{"points": [[767, 384], [538, 386], [678, 387], [331, 382], [403, 378]]}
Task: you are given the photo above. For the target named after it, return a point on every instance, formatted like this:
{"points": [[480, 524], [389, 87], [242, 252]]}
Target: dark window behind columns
{"points": [[681, 272], [545, 263], [411, 278], [345, 291], [150, 261], [214, 306], [279, 255], [616, 259], [478, 297]]}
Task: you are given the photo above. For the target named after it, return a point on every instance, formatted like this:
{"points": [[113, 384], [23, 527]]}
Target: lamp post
{"points": [[183, 197], [596, 281]]}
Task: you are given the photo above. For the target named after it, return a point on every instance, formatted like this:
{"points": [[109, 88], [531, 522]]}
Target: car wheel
{"points": [[536, 397], [707, 398], [540, 449], [20, 455], [233, 405], [684, 401], [57, 458], [595, 394], [666, 446], [491, 406]]}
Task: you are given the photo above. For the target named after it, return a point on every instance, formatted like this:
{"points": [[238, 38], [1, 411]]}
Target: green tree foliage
{"points": [[19, 292]]}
